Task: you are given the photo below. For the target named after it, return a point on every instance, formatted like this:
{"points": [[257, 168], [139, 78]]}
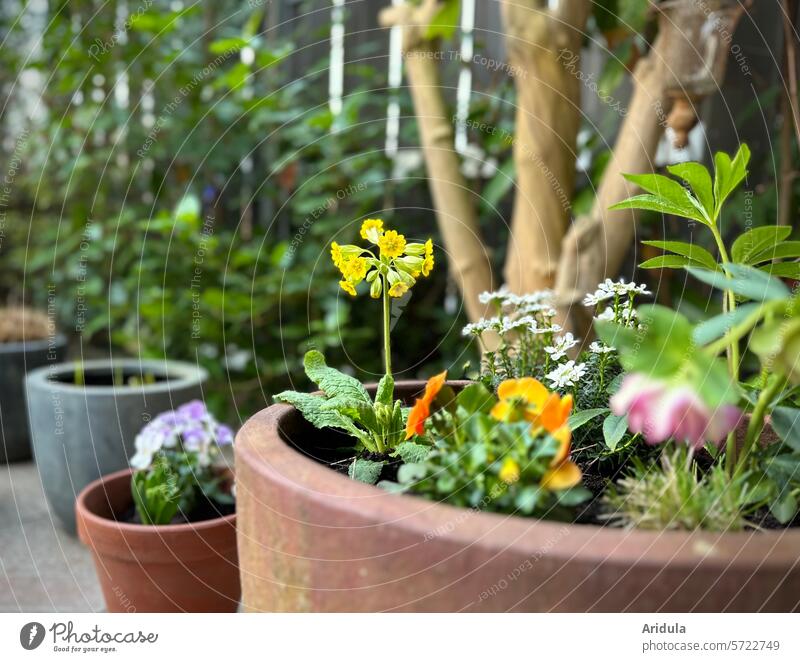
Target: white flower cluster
{"points": [[560, 346], [608, 289], [518, 313], [191, 426], [566, 374]]}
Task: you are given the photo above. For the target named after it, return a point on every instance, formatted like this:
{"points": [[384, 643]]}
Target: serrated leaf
{"points": [[786, 423], [411, 452], [729, 173], [669, 262], [692, 251], [385, 391], [650, 202], [698, 178], [580, 418], [332, 382], [312, 408], [614, 428], [718, 326], [365, 471], [745, 281], [670, 193], [753, 242]]}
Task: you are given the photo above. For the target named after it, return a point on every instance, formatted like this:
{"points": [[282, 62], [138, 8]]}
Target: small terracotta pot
{"points": [[311, 539], [170, 568]]}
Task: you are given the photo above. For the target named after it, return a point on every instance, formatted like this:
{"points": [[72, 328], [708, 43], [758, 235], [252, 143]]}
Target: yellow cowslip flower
{"points": [[427, 265], [509, 472], [336, 253], [347, 286], [392, 244], [354, 269], [429, 248], [372, 229], [398, 289]]}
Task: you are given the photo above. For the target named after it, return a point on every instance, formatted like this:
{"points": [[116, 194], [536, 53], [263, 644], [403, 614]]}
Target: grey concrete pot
{"points": [[81, 433], [16, 360]]}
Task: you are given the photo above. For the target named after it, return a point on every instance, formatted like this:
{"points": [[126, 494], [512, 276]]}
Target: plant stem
{"points": [[756, 424], [387, 347], [729, 305]]}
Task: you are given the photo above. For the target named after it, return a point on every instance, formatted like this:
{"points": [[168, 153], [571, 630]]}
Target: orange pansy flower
{"points": [[422, 407]]}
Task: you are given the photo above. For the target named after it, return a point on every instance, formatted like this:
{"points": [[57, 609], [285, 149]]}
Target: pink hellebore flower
{"points": [[659, 412]]}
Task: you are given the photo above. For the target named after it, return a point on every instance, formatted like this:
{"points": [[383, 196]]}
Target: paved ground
{"points": [[42, 568]]}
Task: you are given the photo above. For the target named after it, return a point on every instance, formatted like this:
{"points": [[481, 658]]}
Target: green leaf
{"points": [[782, 270], [333, 383], [718, 326], [528, 498], [232, 44], [580, 418], [699, 179], [365, 471], [753, 242], [411, 452], [411, 472], [784, 508], [745, 281], [786, 423], [692, 251], [649, 202], [728, 174], [781, 251], [385, 391], [445, 21], [614, 428], [476, 398], [573, 496], [669, 262], [312, 408]]}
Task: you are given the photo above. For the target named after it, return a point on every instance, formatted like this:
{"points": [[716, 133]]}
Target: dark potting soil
{"points": [[105, 377], [205, 509]]}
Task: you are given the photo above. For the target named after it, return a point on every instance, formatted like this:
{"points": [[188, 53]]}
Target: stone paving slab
{"points": [[42, 568]]}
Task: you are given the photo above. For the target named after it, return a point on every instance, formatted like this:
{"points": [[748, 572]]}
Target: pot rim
{"points": [[261, 448], [56, 340], [85, 513], [182, 374]]}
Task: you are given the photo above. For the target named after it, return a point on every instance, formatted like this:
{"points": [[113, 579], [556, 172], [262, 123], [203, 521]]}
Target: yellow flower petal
{"points": [[372, 229], [398, 289], [565, 475], [509, 472], [392, 244], [347, 286]]}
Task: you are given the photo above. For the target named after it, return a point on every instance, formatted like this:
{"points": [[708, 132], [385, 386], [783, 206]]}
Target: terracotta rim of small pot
{"points": [[147, 543], [176, 374], [261, 446]]}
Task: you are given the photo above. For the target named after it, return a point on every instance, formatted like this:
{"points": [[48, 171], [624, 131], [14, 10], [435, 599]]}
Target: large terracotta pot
{"points": [[169, 568], [311, 539]]}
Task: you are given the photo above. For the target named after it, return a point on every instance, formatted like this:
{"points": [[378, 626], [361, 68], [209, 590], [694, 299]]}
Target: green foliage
{"points": [[157, 493], [377, 426], [365, 471], [676, 495], [663, 348], [481, 462]]}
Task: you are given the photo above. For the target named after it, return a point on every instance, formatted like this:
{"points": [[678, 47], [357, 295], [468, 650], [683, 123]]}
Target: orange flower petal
{"points": [[565, 475], [501, 411], [563, 435], [416, 418], [433, 386]]}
